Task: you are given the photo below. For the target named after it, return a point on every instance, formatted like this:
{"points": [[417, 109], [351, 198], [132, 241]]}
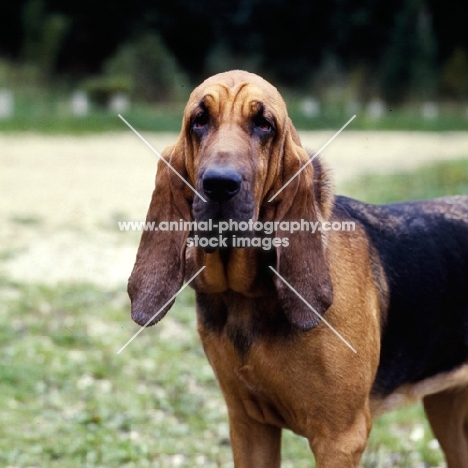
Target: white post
{"points": [[310, 107], [7, 104], [430, 111], [79, 104], [119, 103], [375, 109]]}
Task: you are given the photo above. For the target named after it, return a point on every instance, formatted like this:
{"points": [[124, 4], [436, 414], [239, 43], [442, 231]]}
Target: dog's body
{"points": [[395, 288]]}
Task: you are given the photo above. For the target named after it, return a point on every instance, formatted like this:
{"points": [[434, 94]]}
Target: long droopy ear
{"points": [[303, 262], [160, 263]]}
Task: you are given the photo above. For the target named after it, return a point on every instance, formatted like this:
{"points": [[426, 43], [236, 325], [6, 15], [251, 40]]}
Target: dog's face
{"points": [[233, 122]]}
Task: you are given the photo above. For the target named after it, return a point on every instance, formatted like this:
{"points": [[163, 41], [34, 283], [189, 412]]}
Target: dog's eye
{"points": [[262, 125], [200, 121]]}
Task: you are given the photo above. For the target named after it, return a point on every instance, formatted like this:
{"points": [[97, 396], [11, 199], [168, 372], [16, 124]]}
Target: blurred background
{"points": [[404, 58], [70, 170]]}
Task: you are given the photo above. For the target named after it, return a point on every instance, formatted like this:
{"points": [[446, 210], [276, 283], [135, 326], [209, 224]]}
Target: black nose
{"points": [[221, 184]]}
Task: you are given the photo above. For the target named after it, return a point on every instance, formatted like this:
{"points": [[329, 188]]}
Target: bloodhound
{"points": [[395, 288]]}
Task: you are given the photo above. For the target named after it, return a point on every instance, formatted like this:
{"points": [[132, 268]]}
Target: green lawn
{"points": [[49, 112], [445, 178], [68, 400]]}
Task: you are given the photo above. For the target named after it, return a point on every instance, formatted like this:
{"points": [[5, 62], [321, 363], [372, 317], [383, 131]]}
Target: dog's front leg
{"points": [[255, 445], [342, 449]]}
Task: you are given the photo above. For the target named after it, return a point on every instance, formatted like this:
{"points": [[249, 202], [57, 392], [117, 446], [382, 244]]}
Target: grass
{"points": [[428, 182], [68, 400], [403, 118], [169, 119], [52, 121], [47, 111]]}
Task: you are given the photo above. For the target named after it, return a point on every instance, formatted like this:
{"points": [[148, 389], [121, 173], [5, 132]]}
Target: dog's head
{"points": [[236, 150]]}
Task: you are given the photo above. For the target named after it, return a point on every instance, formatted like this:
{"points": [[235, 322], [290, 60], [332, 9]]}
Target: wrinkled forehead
{"points": [[236, 88]]}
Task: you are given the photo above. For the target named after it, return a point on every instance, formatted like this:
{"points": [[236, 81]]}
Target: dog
{"points": [[395, 290]]}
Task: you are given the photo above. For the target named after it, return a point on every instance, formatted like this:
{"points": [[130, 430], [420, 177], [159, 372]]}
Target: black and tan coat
{"points": [[396, 288]]}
